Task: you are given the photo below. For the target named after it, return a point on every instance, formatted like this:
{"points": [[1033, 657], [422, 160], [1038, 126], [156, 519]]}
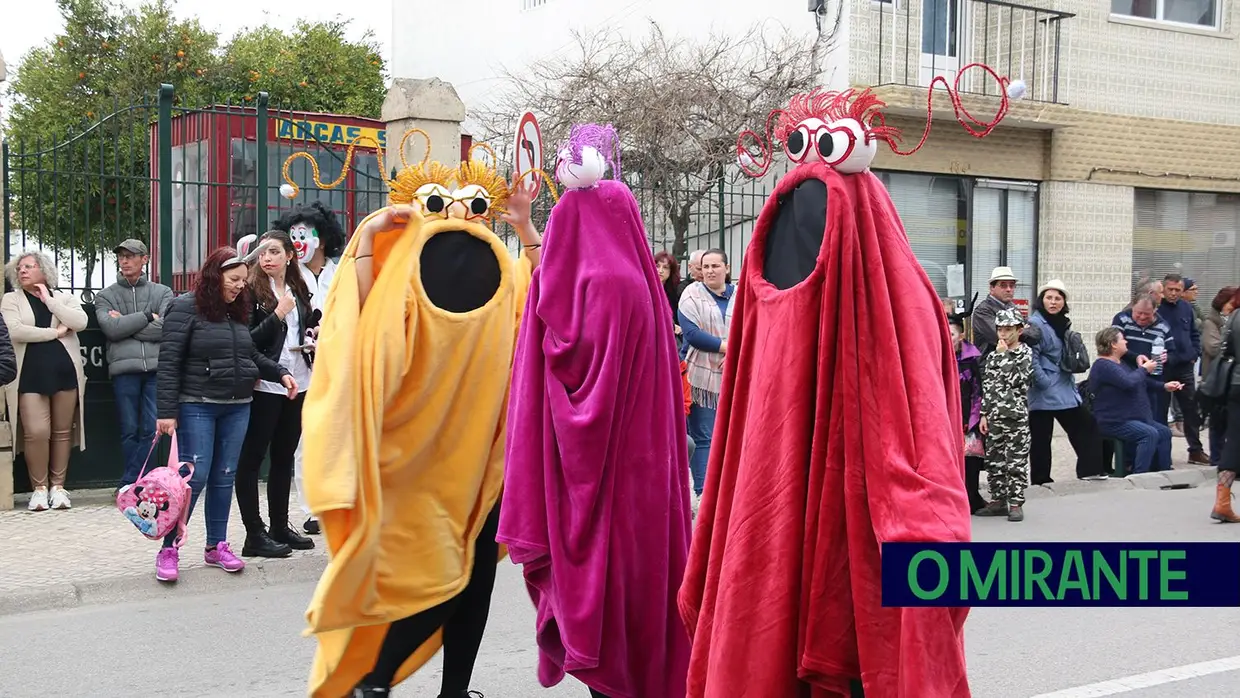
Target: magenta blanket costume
{"points": [[596, 494]]}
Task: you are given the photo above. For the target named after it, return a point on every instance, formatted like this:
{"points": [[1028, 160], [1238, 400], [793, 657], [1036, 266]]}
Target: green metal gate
{"points": [[119, 177], [134, 174]]}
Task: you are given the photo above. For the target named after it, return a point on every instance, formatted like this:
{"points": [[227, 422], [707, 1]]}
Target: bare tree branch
{"points": [[677, 104]]}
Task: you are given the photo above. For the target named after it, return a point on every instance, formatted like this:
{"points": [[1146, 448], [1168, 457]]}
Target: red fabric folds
{"points": [[838, 430]]}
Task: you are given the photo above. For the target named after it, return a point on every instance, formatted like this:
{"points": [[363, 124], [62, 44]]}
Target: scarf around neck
{"points": [[705, 368]]}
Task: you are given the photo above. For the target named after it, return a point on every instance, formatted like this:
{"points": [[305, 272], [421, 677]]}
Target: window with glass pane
{"points": [[370, 193], [1196, 12], [330, 165], [987, 227], [1186, 233], [190, 190], [934, 211], [938, 27], [243, 192], [1145, 9], [1022, 225]]}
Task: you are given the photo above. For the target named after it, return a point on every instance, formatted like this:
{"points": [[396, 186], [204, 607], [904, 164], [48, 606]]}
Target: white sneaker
{"points": [[38, 500], [60, 498]]}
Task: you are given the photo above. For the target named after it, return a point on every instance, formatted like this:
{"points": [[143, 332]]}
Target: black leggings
{"points": [[973, 467], [463, 619], [1230, 460], [1082, 433], [275, 423]]}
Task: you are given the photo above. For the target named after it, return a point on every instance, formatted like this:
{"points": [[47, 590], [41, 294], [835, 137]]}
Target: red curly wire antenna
{"points": [[975, 126], [745, 158]]}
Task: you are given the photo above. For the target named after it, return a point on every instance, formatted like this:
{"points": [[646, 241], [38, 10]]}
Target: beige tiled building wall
{"points": [[1142, 104], [1139, 68], [1085, 239]]}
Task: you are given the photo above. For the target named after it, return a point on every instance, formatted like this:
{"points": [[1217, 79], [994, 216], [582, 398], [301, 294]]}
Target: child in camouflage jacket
{"points": [[1006, 377]]}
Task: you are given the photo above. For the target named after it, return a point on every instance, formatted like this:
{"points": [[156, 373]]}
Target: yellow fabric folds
{"points": [[404, 444]]}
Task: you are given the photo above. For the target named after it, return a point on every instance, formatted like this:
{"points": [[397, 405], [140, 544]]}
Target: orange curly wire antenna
{"points": [[490, 151], [555, 196], [290, 188], [426, 155]]}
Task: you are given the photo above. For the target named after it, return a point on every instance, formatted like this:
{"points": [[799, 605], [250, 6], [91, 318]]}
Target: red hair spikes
{"points": [[866, 108]]}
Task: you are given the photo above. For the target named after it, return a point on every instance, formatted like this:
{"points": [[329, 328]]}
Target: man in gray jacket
{"points": [[130, 313], [1002, 289]]}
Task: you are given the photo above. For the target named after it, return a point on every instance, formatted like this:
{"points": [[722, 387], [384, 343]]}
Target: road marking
{"points": [[1147, 680]]}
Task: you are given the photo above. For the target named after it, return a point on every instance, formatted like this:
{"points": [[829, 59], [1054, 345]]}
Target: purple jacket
{"points": [[969, 365]]}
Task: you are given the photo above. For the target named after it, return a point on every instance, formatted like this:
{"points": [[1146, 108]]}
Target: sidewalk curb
{"points": [[144, 587], [1191, 475], [1183, 476]]}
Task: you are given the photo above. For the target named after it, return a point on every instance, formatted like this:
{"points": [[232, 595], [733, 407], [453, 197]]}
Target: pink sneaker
{"points": [[166, 565], [223, 558]]}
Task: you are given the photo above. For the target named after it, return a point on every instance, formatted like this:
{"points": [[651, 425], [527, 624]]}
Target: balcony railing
{"points": [[921, 39]]}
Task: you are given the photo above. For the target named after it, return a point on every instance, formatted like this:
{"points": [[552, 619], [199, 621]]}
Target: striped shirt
{"points": [[1141, 339]]}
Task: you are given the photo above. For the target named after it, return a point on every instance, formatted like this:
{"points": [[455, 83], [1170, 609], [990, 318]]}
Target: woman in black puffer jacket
{"points": [[208, 366]]}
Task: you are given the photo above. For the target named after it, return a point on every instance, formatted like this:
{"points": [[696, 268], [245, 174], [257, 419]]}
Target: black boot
{"points": [[364, 691], [291, 538], [259, 544]]}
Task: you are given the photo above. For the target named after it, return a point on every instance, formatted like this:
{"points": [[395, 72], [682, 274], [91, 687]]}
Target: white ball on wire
{"points": [[287, 191], [582, 176], [1016, 89]]}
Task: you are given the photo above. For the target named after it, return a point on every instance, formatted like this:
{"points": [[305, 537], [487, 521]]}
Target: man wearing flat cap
{"points": [[1002, 288], [130, 313]]}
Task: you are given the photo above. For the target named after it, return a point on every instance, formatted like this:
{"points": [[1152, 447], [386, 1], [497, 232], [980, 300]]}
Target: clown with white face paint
{"points": [[319, 240], [305, 241]]}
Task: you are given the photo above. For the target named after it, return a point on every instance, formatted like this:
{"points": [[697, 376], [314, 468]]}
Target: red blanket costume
{"points": [[837, 431]]}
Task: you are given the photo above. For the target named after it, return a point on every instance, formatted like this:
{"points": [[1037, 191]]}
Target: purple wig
{"points": [[604, 139]]}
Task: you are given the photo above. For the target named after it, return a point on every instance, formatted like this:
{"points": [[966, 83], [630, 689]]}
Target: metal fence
{"points": [[188, 179]]}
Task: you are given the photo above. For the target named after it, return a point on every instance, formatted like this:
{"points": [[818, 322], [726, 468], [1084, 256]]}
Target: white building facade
{"points": [[1122, 161]]}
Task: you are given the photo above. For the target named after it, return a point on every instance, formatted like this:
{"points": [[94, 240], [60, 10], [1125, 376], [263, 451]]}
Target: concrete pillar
{"points": [[6, 435], [428, 104]]}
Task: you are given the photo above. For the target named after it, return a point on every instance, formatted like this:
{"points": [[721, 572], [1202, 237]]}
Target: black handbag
{"points": [[1075, 358], [1218, 380]]}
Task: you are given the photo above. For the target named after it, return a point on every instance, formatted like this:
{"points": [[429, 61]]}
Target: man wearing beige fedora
{"points": [[1002, 288]]}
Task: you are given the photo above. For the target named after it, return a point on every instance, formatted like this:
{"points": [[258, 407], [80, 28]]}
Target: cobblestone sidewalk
{"points": [[93, 542]]}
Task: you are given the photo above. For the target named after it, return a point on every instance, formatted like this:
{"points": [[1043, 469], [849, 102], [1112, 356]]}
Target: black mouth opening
{"points": [[459, 271], [793, 242]]}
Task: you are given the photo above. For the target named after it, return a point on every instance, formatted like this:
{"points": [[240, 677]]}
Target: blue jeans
{"points": [[701, 428], [210, 437], [135, 410], [1152, 444]]}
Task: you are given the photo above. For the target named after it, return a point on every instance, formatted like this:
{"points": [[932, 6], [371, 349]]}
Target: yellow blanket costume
{"points": [[405, 429]]}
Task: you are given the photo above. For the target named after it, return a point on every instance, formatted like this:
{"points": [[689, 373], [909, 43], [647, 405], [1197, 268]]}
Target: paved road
{"points": [[247, 643]]}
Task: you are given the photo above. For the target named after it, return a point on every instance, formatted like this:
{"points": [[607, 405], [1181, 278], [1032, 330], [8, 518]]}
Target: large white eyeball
{"points": [[582, 176], [843, 145]]}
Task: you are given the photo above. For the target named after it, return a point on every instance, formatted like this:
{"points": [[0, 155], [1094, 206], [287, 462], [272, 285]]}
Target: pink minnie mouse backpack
{"points": [[159, 501]]}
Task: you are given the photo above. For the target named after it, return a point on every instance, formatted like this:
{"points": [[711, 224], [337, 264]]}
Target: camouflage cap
{"points": [[1009, 317]]}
